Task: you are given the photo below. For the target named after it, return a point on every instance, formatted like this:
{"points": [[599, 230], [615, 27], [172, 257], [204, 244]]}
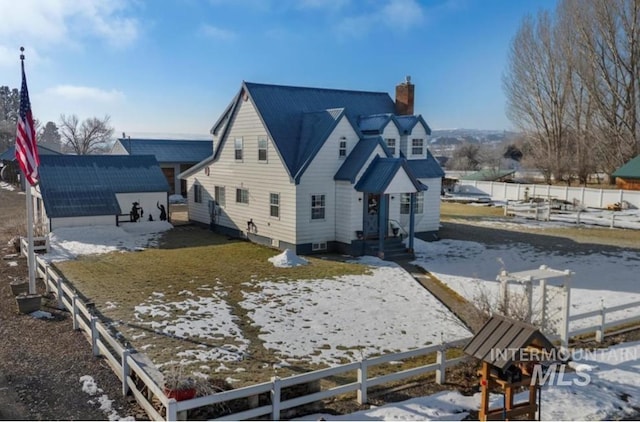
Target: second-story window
{"points": [[391, 144], [262, 149], [242, 196], [417, 146], [238, 148], [342, 150]]}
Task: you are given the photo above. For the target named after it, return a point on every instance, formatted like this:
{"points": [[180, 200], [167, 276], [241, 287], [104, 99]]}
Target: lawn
{"points": [[142, 292]]}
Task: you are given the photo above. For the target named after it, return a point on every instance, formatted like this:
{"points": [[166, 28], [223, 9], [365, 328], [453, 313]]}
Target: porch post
{"points": [[382, 223], [412, 224]]}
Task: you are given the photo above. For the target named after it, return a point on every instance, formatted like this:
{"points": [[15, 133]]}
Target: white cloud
{"points": [[399, 15], [84, 93], [54, 22], [217, 33]]}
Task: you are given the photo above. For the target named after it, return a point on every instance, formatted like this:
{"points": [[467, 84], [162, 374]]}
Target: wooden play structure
{"points": [[510, 352]]}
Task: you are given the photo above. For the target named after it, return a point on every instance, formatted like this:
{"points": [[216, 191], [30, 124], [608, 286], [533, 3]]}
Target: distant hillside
{"points": [[453, 137]]}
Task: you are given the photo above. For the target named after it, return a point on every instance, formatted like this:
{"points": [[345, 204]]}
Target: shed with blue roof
{"points": [[173, 155], [89, 190], [316, 169]]}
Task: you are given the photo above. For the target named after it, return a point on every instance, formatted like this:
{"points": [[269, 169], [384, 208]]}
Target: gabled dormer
{"points": [[414, 134], [383, 125]]}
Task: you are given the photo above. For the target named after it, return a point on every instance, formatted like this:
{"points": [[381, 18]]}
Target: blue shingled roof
{"points": [[381, 172], [407, 123], [10, 153], [375, 123], [426, 168], [168, 150], [282, 109], [85, 185], [358, 157]]}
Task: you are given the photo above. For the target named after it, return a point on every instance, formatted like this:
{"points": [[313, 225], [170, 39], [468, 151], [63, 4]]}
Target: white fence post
{"points": [[600, 330], [504, 293], [94, 336], [47, 280], [172, 410], [74, 311], [582, 196], [362, 380], [528, 285], [60, 293], [275, 398], [578, 216], [601, 202], [440, 361], [613, 219], [126, 371]]}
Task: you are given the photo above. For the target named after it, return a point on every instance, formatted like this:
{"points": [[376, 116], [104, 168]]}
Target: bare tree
{"points": [[536, 84], [92, 136], [466, 157], [606, 35]]}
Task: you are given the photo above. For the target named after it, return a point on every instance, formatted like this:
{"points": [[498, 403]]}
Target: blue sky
{"points": [[172, 66]]}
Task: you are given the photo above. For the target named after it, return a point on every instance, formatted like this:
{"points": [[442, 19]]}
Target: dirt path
{"points": [[42, 360]]}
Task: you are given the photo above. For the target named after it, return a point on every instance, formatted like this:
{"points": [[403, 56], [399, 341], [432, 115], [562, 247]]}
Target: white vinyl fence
{"points": [[588, 197], [140, 378]]}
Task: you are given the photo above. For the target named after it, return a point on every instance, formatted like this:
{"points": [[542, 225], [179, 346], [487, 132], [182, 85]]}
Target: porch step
{"points": [[394, 249]]}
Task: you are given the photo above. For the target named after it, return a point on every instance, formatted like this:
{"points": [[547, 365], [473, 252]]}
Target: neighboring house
{"points": [[9, 169], [174, 156], [89, 190], [628, 176], [318, 170]]}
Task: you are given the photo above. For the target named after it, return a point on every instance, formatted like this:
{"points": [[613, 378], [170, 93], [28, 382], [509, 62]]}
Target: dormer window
{"points": [[417, 146], [391, 144], [342, 150]]}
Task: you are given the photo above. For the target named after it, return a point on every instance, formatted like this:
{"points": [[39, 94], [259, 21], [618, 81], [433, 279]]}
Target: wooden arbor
{"points": [[511, 352]]}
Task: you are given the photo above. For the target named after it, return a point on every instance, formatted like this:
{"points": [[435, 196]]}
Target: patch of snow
{"points": [[41, 315], [329, 321], [12, 263], [177, 199], [89, 386], [70, 242], [110, 305], [6, 186], [287, 259]]}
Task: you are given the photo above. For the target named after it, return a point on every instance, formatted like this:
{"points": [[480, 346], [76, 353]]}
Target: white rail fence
{"points": [[545, 211], [588, 197], [139, 377]]}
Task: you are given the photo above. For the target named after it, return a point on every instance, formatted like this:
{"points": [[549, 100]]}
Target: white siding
{"points": [[98, 220], [118, 149], [259, 178], [400, 183], [417, 132], [348, 212], [318, 180]]}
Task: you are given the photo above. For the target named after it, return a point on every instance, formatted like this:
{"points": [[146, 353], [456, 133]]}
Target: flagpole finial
{"points": [[22, 53]]}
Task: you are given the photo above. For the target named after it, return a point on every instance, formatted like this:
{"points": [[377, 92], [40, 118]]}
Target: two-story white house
{"points": [[315, 170]]}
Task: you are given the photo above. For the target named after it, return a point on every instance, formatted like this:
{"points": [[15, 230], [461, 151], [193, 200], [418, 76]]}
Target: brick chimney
{"points": [[404, 97]]}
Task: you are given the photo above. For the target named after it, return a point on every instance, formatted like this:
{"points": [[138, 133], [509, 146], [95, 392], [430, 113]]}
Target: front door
{"points": [[371, 218]]}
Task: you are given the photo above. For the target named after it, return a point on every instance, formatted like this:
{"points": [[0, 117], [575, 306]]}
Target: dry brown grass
{"points": [[226, 267]]}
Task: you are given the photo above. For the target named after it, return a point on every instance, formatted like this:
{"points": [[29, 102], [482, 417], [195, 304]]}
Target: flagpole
{"points": [[31, 255]]}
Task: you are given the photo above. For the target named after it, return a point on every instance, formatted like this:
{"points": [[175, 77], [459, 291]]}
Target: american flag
{"points": [[26, 146]]}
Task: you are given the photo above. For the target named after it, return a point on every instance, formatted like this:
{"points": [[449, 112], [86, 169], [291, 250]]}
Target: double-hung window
{"points": [[262, 149], [391, 144], [220, 195], [238, 148], [242, 196], [405, 203], [317, 207], [417, 146], [342, 148], [274, 205]]}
